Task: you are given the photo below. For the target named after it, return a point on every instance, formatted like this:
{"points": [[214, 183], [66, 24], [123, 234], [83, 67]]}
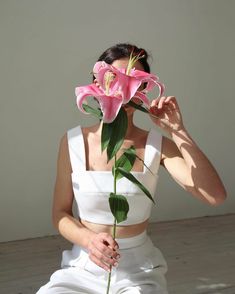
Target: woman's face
{"points": [[123, 63]]}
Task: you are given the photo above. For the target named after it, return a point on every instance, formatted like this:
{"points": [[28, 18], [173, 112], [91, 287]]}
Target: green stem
{"points": [[115, 175], [115, 221], [115, 192], [109, 280]]}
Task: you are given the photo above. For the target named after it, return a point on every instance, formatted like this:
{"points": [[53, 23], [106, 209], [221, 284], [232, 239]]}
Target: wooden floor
{"points": [[200, 254]]}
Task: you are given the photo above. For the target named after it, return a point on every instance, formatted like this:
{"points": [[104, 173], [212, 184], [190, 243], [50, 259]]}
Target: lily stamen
{"points": [[108, 78], [132, 60]]}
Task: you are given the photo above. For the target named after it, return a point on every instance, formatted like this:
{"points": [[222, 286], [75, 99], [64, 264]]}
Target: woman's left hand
{"points": [[166, 114]]}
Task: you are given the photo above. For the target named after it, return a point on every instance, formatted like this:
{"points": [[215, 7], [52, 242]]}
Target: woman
{"points": [[137, 266]]}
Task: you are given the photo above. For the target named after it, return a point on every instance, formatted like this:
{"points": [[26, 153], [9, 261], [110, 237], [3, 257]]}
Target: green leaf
{"points": [[119, 207], [137, 106], [119, 127], [133, 179], [105, 135], [118, 131], [125, 161], [130, 153], [91, 110]]}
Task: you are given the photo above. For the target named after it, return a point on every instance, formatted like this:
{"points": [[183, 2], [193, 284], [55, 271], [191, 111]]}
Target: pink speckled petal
{"points": [[110, 107], [112, 94], [143, 98], [85, 91]]}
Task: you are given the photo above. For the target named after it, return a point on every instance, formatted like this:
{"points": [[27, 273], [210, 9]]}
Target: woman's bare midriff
{"points": [[121, 231]]}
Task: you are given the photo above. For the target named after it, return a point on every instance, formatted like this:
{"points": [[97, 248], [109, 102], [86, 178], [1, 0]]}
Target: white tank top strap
{"points": [[76, 149], [153, 150]]}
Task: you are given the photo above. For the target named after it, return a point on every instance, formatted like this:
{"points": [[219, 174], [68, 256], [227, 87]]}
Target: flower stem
{"points": [[115, 221], [109, 280], [110, 273], [115, 175]]}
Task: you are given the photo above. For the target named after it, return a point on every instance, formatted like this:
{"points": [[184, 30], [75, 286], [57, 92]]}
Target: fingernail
{"points": [[115, 264], [116, 247], [118, 256]]}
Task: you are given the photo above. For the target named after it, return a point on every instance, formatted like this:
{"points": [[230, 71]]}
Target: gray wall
{"points": [[49, 47]]}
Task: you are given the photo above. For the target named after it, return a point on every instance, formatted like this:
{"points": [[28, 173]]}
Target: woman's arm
{"points": [[101, 247], [62, 215], [181, 156]]}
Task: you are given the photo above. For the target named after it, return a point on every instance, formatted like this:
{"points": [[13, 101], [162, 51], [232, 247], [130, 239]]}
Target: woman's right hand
{"points": [[102, 249]]}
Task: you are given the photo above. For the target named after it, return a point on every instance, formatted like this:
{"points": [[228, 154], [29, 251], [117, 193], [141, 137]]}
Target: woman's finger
{"points": [[174, 104], [104, 258], [99, 262], [109, 241], [107, 251], [155, 102], [169, 98], [161, 102]]}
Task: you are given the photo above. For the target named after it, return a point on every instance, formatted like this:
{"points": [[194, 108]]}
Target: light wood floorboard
{"points": [[200, 254]]}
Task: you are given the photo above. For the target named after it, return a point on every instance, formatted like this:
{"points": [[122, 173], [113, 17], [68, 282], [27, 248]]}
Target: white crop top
{"points": [[91, 188]]}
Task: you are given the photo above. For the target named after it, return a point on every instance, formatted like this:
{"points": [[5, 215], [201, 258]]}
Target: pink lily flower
{"points": [[117, 87]]}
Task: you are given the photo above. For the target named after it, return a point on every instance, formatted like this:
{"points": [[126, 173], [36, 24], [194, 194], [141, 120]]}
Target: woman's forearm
{"points": [[202, 176], [72, 229]]}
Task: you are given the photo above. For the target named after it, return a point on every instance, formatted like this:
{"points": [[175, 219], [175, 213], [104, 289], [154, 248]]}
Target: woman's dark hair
{"points": [[124, 50]]}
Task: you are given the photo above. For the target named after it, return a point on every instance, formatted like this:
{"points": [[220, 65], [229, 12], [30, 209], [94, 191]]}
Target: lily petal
{"points": [[161, 88], [116, 88], [151, 80], [132, 85], [110, 107], [85, 91], [143, 98], [152, 83], [101, 71]]}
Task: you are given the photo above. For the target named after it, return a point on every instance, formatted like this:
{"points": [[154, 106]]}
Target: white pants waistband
{"points": [[131, 242]]}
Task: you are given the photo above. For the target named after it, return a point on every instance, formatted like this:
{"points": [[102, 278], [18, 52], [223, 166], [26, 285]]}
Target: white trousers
{"points": [[141, 269]]}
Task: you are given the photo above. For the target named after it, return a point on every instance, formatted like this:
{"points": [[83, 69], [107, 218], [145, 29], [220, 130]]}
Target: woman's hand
{"points": [[102, 250], [181, 156], [166, 114]]}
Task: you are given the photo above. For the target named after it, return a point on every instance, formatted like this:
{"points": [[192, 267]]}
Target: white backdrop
{"points": [[49, 47]]}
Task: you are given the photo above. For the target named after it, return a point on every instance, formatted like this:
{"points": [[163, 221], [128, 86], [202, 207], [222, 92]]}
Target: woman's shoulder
{"points": [[68, 136], [73, 129], [63, 160], [63, 144]]}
